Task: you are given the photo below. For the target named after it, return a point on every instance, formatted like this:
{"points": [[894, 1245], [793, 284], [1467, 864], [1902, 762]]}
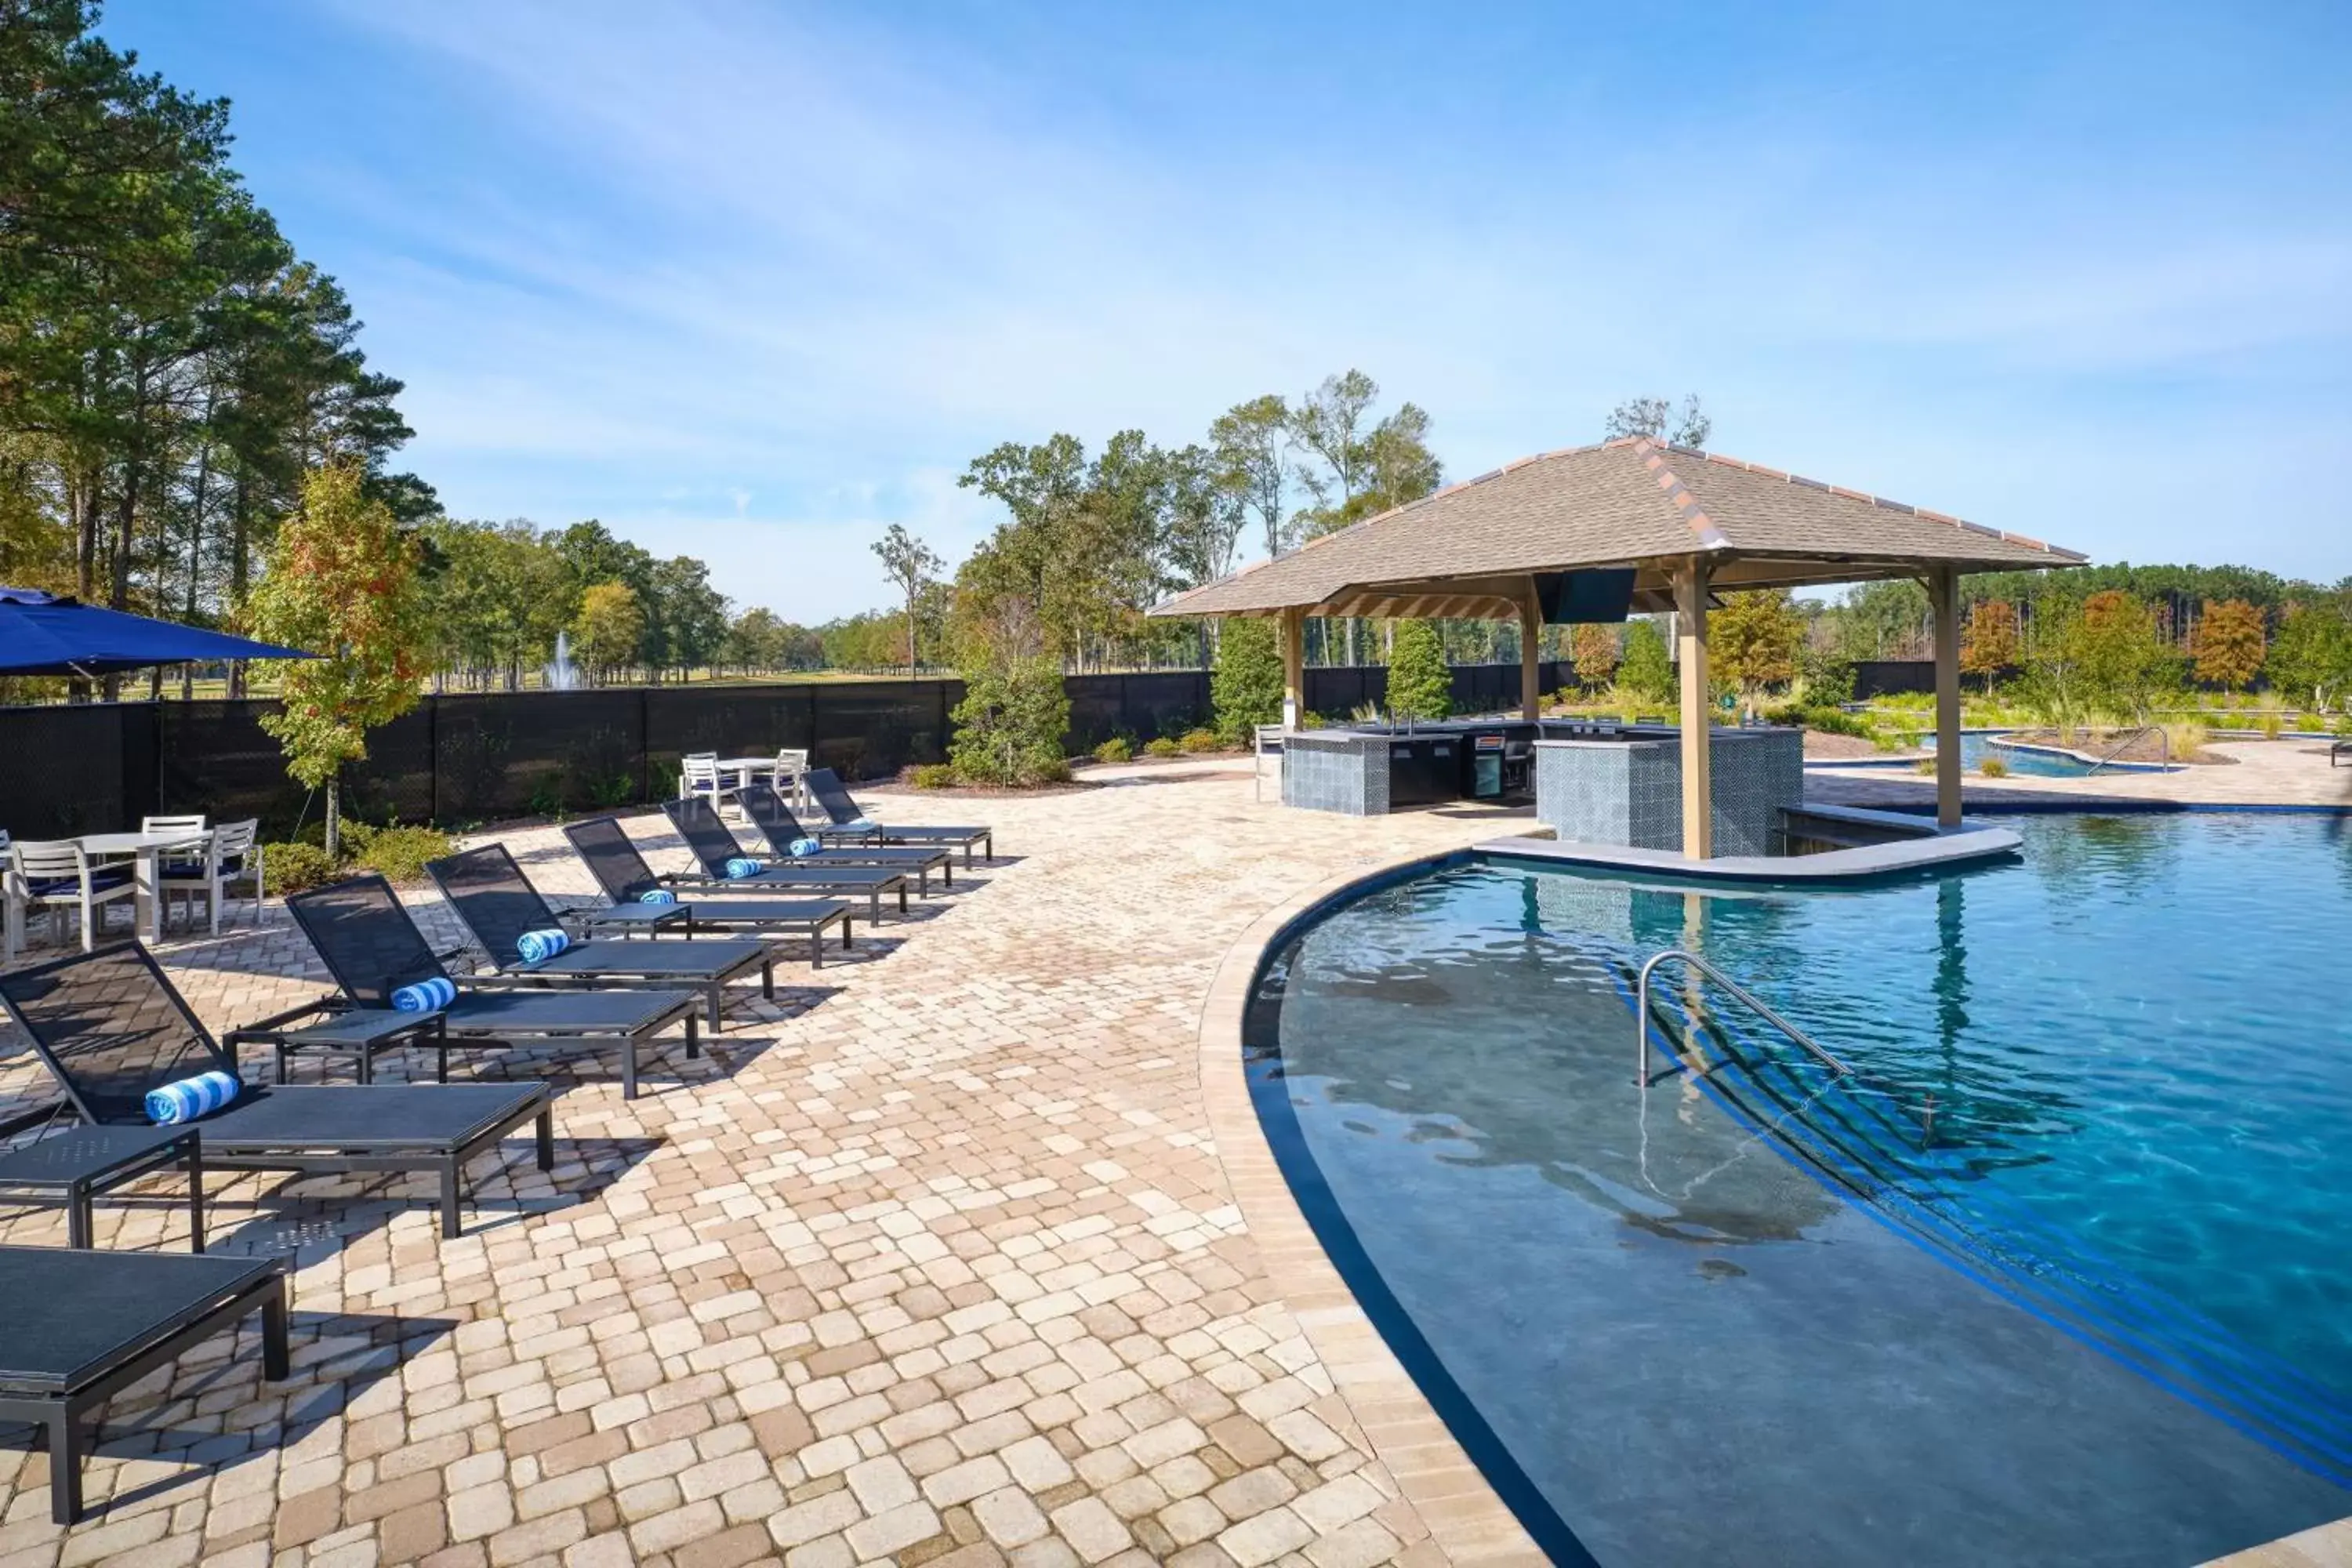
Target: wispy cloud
{"points": [[756, 283]]}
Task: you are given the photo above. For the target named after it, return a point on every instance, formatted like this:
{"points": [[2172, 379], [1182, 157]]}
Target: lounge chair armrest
{"points": [[265, 1031], [491, 980], [48, 1111]]}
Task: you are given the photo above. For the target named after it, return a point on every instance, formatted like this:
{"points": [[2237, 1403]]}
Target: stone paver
{"points": [[933, 1258]]}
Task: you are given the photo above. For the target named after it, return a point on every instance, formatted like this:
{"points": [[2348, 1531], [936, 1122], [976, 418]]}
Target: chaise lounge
{"points": [[712, 847], [848, 824], [82, 1326], [612, 859], [498, 904], [110, 1026], [374, 949], [781, 829]]}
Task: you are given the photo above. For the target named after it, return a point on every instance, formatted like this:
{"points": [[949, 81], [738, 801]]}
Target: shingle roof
{"points": [[1626, 502]]}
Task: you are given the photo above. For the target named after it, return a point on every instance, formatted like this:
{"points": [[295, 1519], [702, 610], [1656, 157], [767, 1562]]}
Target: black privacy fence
{"points": [[464, 759]]}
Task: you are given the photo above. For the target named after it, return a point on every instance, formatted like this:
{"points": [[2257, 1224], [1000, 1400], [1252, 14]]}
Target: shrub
{"points": [[1832, 722], [1163, 747], [930, 776], [1421, 684], [1992, 767], [1114, 750], [1009, 724], [399, 853], [1646, 671], [291, 867], [1246, 689], [1199, 741]]}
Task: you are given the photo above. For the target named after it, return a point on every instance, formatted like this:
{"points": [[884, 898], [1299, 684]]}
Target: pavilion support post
{"points": [[1944, 596], [1531, 648], [1294, 667], [1698, 778]]}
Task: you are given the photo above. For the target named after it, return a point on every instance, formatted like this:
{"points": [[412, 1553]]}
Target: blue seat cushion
{"points": [[68, 886]]}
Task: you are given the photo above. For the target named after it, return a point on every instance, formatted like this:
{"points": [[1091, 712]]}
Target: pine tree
{"points": [[1246, 689]]}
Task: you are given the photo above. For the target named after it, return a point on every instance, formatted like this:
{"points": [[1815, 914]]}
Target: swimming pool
{"points": [[2024, 761], [2062, 1272]]}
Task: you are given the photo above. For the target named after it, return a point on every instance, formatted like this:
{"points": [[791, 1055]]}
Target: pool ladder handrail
{"points": [[1756, 1004], [2130, 740]]}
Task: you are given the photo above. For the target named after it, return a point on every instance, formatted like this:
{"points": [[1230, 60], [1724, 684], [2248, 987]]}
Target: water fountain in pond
{"points": [[561, 675]]}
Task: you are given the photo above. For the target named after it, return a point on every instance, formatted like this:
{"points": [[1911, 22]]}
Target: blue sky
{"points": [[750, 281]]}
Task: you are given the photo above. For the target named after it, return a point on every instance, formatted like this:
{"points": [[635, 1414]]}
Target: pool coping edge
{"points": [[1467, 1521]]}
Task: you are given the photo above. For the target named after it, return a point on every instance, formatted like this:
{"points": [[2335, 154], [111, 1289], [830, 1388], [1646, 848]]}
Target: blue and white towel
{"points": [[740, 868], [189, 1098], [802, 848], [539, 946], [425, 996], [658, 896], [857, 825]]}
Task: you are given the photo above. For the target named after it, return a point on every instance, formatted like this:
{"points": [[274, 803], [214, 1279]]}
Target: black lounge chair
{"points": [[498, 904], [712, 846], [110, 1026], [841, 812], [372, 948], [774, 819], [83, 1325], [612, 859]]}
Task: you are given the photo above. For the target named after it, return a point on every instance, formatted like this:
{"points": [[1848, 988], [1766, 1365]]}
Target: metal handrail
{"points": [[1762, 1009], [2163, 740]]}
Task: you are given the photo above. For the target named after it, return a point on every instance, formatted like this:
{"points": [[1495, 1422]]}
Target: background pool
{"points": [[2024, 761], [2132, 1048]]}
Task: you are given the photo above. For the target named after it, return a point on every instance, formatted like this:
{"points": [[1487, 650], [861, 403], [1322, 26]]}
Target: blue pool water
{"points": [[2025, 761], [2088, 1194]]}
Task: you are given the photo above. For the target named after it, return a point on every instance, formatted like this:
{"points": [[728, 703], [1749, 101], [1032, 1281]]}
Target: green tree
{"points": [[1753, 641], [341, 583], [911, 564], [686, 617], [611, 628], [2311, 657], [1420, 685], [2125, 666], [1245, 687], [1594, 650], [2228, 644], [1249, 444], [1647, 672], [1660, 420]]}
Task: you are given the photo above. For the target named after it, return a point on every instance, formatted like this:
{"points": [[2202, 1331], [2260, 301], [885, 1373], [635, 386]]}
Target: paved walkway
{"points": [[932, 1261], [2260, 772]]}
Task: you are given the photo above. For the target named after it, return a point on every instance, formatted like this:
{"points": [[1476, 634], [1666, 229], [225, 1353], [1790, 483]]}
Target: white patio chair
{"points": [[232, 854], [698, 777], [1261, 735], [57, 877], [792, 775]]}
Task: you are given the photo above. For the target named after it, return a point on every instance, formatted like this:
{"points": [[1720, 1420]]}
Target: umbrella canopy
{"points": [[46, 634]]}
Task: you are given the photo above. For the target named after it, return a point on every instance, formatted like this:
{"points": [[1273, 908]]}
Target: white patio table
{"points": [[147, 851]]}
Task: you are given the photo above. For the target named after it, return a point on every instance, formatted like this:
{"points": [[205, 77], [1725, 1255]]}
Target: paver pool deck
{"points": [[953, 1253]]}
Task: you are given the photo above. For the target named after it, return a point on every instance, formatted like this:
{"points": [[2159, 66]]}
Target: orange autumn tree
{"points": [[1988, 643], [2228, 644], [341, 583]]}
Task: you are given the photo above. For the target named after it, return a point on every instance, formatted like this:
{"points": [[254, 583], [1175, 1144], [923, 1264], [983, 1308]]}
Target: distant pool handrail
{"points": [[1762, 1009]]}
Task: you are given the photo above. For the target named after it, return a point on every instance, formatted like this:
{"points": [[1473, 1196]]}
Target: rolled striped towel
{"points": [[425, 996], [802, 848], [740, 868], [537, 946], [658, 896], [189, 1098]]}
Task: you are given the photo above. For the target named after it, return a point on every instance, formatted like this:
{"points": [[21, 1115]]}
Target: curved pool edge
{"points": [[1467, 1519]]}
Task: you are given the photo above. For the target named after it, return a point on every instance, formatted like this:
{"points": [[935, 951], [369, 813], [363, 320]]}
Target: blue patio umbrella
{"points": [[48, 634]]}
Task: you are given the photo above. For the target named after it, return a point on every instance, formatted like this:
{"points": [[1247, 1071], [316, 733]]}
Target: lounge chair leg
{"points": [[715, 1024], [767, 979], [196, 1197], [65, 1467], [816, 947], [629, 1063], [450, 1176], [276, 1364], [693, 1041], [546, 1139]]}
